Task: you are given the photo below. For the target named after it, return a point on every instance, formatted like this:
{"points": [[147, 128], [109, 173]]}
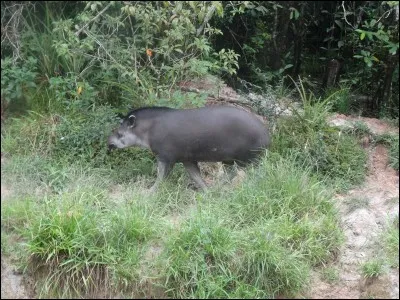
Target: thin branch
{"points": [[206, 19], [98, 15], [344, 15], [387, 13]]}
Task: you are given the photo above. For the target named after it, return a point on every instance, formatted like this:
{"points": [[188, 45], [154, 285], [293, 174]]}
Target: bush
{"points": [[17, 78], [372, 268], [85, 136]]}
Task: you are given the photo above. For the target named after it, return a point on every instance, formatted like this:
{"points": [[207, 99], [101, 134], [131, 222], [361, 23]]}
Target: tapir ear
{"points": [[131, 121]]}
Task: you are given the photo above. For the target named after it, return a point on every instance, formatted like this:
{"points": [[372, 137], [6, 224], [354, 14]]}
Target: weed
{"points": [[391, 121], [342, 100], [372, 268], [330, 274], [329, 152], [392, 141], [392, 200], [358, 129], [394, 154]]}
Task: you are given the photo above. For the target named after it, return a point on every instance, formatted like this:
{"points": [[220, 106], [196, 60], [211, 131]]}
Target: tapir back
{"points": [[207, 134]]}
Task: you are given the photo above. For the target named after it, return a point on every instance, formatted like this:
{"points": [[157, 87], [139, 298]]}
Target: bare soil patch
{"points": [[363, 226], [13, 284]]}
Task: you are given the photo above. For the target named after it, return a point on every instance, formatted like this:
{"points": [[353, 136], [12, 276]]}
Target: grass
{"points": [[260, 240], [391, 243], [391, 141], [90, 229], [330, 152], [330, 274], [342, 100], [372, 268]]}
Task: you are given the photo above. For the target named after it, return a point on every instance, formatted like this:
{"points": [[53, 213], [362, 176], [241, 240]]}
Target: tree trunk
{"points": [[298, 46], [382, 97], [279, 36], [331, 74]]}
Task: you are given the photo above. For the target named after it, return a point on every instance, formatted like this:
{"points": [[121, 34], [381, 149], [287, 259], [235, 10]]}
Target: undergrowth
{"points": [[332, 153]]}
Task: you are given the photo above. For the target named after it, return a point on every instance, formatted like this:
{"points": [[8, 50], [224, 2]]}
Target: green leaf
{"points": [[393, 50], [362, 36], [296, 14], [219, 8]]}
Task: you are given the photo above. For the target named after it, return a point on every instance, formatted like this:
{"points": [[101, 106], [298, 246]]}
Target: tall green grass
{"points": [[266, 234], [391, 243], [258, 240], [330, 152], [81, 241]]}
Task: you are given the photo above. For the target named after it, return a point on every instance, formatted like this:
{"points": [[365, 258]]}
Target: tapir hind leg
{"points": [[193, 169]]}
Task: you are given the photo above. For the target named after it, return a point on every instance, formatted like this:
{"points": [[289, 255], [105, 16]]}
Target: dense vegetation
{"points": [[59, 56], [80, 221]]}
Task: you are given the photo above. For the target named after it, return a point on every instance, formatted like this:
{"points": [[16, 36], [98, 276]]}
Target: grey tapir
{"points": [[212, 134]]}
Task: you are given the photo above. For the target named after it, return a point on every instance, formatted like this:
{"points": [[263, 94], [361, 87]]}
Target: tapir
{"points": [[208, 134]]}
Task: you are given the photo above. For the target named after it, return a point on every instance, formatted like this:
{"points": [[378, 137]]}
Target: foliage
{"points": [[73, 95], [17, 77], [84, 136], [329, 151], [342, 101], [149, 45], [244, 239]]}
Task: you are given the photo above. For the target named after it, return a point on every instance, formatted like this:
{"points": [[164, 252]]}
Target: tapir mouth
{"points": [[111, 147]]}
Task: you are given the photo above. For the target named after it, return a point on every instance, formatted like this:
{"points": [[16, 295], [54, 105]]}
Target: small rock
{"points": [[360, 254]]}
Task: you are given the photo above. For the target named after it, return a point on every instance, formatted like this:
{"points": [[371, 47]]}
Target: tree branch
{"points": [[98, 15]]}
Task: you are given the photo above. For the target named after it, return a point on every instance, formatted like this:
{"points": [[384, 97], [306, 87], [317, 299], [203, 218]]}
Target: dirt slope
{"points": [[363, 224]]}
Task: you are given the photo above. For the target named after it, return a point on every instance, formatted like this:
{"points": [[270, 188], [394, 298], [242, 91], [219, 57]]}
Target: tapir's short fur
{"points": [[219, 133]]}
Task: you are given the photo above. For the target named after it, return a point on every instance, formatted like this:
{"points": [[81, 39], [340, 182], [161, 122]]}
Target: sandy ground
{"points": [[362, 227]]}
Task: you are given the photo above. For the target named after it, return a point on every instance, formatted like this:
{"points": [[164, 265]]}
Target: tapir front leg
{"points": [[163, 170]]}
